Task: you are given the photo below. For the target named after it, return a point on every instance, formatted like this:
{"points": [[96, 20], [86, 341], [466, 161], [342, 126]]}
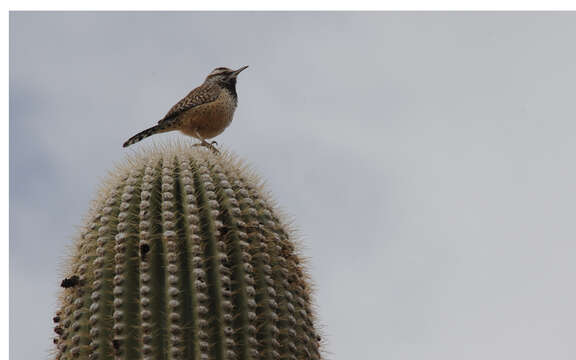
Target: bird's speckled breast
{"points": [[209, 120]]}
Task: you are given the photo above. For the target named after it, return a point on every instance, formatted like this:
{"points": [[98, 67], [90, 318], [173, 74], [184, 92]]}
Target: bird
{"points": [[204, 113]]}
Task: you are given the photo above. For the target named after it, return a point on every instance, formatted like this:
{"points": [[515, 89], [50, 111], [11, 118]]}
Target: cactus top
{"points": [[183, 256]]}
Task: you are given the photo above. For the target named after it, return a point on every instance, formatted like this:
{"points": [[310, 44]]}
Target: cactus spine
{"points": [[183, 257]]}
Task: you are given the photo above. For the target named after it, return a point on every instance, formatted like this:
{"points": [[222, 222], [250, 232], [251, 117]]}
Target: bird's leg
{"points": [[205, 143], [210, 145]]}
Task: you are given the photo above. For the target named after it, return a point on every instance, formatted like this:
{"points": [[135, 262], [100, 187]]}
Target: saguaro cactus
{"points": [[184, 257]]}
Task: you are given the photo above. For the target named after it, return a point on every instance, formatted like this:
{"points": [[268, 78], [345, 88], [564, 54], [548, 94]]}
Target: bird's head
{"points": [[224, 75]]}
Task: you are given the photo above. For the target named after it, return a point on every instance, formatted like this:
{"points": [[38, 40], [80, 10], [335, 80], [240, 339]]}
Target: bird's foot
{"points": [[209, 145], [212, 146]]}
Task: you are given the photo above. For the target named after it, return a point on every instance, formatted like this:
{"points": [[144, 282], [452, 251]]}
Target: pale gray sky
{"points": [[427, 159]]}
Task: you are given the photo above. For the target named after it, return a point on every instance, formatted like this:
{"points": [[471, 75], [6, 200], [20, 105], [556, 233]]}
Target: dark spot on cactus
{"points": [[144, 249], [58, 330], [55, 340], [116, 344], [318, 338], [70, 282], [56, 319]]}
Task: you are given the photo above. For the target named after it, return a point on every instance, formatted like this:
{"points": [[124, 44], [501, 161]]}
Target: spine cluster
{"points": [[183, 257]]}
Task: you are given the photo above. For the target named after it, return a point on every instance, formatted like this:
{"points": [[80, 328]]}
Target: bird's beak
{"points": [[235, 73]]}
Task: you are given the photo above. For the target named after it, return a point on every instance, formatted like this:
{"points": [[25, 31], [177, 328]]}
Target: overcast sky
{"points": [[427, 159]]}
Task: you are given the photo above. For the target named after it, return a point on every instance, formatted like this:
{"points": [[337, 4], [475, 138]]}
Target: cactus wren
{"points": [[204, 113]]}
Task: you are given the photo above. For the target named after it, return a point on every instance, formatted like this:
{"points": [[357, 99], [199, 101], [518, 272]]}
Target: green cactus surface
{"points": [[183, 256]]}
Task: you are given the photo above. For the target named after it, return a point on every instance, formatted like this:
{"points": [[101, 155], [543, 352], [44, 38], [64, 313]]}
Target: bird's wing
{"points": [[200, 95]]}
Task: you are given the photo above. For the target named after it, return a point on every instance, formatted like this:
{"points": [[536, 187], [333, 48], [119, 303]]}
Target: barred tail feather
{"points": [[144, 134]]}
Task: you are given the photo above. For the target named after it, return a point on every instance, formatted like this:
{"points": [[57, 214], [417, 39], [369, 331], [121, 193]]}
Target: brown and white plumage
{"points": [[204, 113]]}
